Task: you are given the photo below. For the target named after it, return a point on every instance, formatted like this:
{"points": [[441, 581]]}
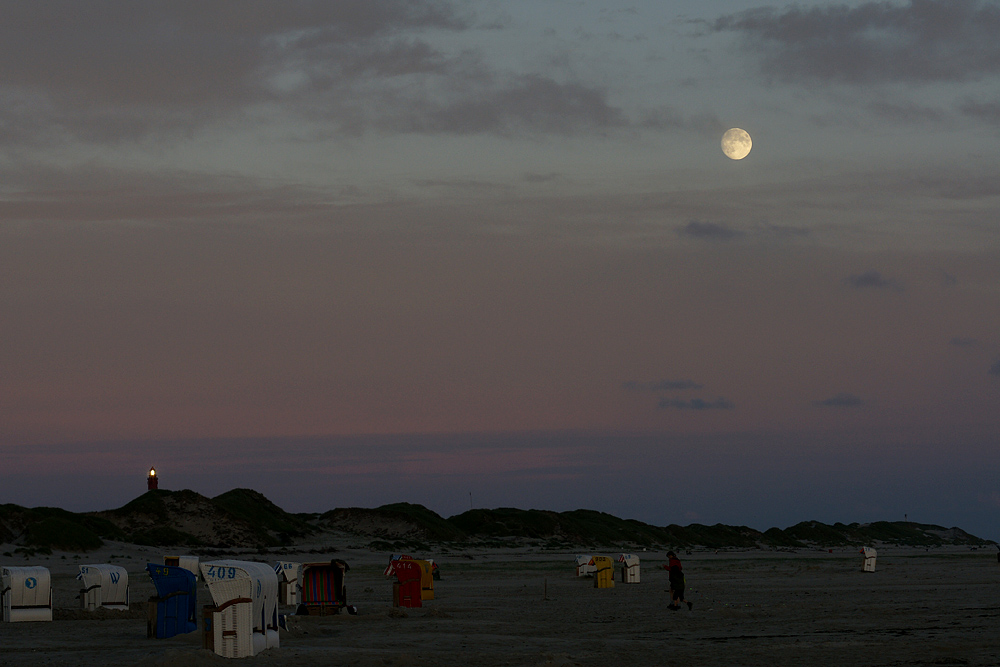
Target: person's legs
{"points": [[678, 594]]}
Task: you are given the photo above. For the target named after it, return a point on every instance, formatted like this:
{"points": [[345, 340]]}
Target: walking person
{"points": [[676, 574]]}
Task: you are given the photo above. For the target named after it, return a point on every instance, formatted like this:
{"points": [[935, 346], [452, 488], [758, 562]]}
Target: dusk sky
{"points": [[490, 253]]}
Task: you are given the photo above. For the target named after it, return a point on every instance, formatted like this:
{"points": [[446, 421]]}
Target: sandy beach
{"points": [[526, 607]]}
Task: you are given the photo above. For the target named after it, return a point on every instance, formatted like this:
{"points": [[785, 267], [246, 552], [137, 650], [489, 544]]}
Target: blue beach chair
{"points": [[174, 609]]}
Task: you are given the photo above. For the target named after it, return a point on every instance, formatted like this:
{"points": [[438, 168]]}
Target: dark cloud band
{"points": [[875, 42]]}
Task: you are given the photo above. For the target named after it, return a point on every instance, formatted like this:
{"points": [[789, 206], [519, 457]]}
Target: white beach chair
{"points": [[244, 621], [104, 586], [26, 594], [869, 564]]}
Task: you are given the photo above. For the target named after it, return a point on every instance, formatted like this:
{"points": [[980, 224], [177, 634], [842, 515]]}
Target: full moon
{"points": [[736, 143]]}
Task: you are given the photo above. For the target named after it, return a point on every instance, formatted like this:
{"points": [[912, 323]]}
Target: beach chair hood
{"points": [[230, 580], [176, 600], [106, 585], [26, 594]]}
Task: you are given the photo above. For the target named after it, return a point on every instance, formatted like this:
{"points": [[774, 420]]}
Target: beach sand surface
{"points": [[526, 607]]}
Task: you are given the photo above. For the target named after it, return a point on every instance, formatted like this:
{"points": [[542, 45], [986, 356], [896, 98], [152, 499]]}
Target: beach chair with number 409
{"points": [[244, 620]]}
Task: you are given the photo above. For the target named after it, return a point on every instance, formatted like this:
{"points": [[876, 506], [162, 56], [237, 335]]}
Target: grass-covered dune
{"points": [[243, 518], [397, 521], [237, 518], [46, 528]]}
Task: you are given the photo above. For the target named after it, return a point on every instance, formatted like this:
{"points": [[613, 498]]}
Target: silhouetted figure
{"points": [[676, 574]]}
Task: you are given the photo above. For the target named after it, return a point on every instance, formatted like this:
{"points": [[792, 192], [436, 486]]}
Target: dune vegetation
{"points": [[244, 518]]}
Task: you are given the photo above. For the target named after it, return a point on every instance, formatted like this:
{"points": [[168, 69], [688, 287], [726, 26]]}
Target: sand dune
{"points": [[244, 518]]}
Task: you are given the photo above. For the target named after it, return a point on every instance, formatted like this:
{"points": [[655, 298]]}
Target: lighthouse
{"points": [[151, 480]]}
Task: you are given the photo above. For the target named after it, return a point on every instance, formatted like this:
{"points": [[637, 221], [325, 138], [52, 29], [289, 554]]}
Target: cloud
{"points": [[907, 113], [117, 52], [972, 187], [96, 193], [783, 232], [528, 103], [869, 280], [668, 118], [985, 111], [874, 42], [708, 230], [461, 184], [959, 341], [532, 177], [841, 400], [697, 404], [995, 368], [660, 385], [115, 71]]}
